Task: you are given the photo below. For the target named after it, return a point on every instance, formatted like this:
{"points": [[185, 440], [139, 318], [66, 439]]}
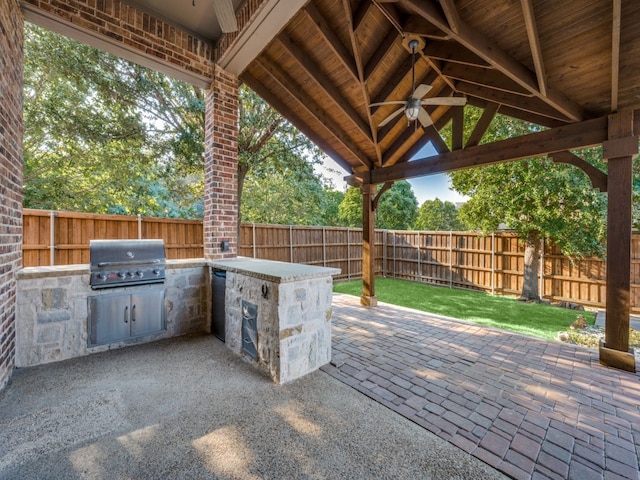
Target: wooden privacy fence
{"points": [[62, 238], [456, 259]]}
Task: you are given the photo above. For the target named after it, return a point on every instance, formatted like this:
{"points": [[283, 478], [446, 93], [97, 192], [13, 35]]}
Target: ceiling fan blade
{"points": [[391, 117], [421, 90], [393, 102], [453, 101], [424, 118], [226, 15]]}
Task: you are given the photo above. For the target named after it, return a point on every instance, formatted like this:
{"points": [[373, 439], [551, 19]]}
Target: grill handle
{"points": [[126, 314], [136, 262]]}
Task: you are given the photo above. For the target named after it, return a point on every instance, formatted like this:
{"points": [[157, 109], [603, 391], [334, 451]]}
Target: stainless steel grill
{"points": [[117, 263]]}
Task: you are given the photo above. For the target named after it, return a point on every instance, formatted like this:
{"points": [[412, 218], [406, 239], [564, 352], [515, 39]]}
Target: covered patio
{"points": [[473, 400]]}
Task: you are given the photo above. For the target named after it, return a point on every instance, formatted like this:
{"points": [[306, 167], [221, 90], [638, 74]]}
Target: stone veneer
{"points": [[11, 40], [52, 309], [294, 314]]}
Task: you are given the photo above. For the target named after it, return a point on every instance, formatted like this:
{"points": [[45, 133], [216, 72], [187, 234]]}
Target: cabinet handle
{"points": [[133, 313], [126, 314]]}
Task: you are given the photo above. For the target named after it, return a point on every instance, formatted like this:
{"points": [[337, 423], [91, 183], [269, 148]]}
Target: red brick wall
{"points": [[11, 38], [221, 166], [136, 30]]}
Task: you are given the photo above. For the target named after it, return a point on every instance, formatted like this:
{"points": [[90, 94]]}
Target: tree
{"points": [[397, 208], [438, 215], [538, 199]]}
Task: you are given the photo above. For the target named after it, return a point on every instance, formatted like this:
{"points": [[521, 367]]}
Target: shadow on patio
{"points": [[189, 408]]}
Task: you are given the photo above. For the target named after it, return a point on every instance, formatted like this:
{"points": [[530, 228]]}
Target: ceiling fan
{"points": [[225, 15], [413, 106]]}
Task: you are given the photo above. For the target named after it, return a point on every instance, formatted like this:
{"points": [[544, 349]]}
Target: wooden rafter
{"points": [[451, 12], [534, 44], [307, 104], [482, 125], [360, 14], [330, 38], [499, 59], [258, 87], [485, 77], [615, 54], [568, 137], [387, 43], [346, 4], [449, 51], [457, 129], [324, 83]]}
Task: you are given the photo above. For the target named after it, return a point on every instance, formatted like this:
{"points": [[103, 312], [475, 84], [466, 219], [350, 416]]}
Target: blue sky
{"points": [[424, 188]]}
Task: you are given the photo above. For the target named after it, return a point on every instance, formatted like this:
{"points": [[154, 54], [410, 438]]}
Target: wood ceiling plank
{"points": [[324, 83], [259, 87], [450, 51], [333, 42], [361, 13], [307, 104], [615, 54], [478, 44], [534, 43], [387, 44]]}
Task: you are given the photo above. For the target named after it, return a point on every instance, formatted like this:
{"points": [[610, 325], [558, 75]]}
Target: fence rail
{"points": [[456, 259]]}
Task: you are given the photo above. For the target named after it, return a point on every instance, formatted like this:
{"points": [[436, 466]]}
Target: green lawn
{"points": [[538, 320]]}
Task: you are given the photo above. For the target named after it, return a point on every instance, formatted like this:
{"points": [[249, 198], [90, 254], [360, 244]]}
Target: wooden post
{"points": [[368, 247], [619, 151]]}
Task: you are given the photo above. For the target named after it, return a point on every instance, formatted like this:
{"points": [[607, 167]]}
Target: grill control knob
{"points": [[139, 274], [122, 274], [102, 276], [156, 271]]}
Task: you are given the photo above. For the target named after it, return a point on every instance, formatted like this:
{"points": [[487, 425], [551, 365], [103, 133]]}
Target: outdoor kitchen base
{"points": [[293, 314]]}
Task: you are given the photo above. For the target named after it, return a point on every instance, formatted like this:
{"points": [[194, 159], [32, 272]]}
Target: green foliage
{"points": [[535, 196], [438, 215], [397, 209], [535, 319]]}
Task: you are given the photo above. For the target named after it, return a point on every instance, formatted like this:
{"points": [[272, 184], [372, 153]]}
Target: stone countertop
{"points": [[272, 271], [84, 269]]}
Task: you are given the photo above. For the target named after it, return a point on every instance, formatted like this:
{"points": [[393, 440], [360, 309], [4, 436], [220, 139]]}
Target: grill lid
{"points": [[117, 263]]}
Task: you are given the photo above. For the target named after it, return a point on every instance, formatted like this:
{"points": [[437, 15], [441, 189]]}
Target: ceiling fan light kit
{"points": [[413, 107]]}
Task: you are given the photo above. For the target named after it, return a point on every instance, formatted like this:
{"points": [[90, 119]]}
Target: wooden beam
{"points": [[485, 77], [384, 188], [361, 13], [615, 54], [483, 124], [457, 129], [324, 83], [307, 104], [451, 12], [597, 177], [528, 104], [534, 44], [620, 178], [567, 137], [415, 25], [258, 87], [332, 40], [368, 297], [499, 59], [450, 51]]}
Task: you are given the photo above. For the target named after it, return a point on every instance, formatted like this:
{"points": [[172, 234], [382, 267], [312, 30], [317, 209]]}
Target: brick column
{"points": [[221, 166], [11, 64]]}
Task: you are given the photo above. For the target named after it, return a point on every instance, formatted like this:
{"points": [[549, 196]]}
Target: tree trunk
{"points": [[242, 174], [531, 262]]}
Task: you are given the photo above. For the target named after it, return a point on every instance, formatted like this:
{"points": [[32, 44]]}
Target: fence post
{"points": [[291, 243], [419, 261], [450, 259], [541, 267], [253, 239], [384, 254], [139, 227], [348, 254], [324, 246], [394, 254], [52, 238], [493, 263]]}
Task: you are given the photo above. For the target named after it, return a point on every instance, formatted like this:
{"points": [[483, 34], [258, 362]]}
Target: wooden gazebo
{"points": [[572, 67]]}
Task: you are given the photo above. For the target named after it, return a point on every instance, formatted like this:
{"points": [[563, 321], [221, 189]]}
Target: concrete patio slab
{"points": [[188, 408], [531, 408]]}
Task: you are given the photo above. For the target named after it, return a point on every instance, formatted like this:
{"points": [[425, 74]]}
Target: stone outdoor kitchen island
{"points": [[291, 304]]}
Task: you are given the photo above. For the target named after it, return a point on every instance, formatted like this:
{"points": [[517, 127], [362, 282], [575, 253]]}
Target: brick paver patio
{"points": [[531, 408]]}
